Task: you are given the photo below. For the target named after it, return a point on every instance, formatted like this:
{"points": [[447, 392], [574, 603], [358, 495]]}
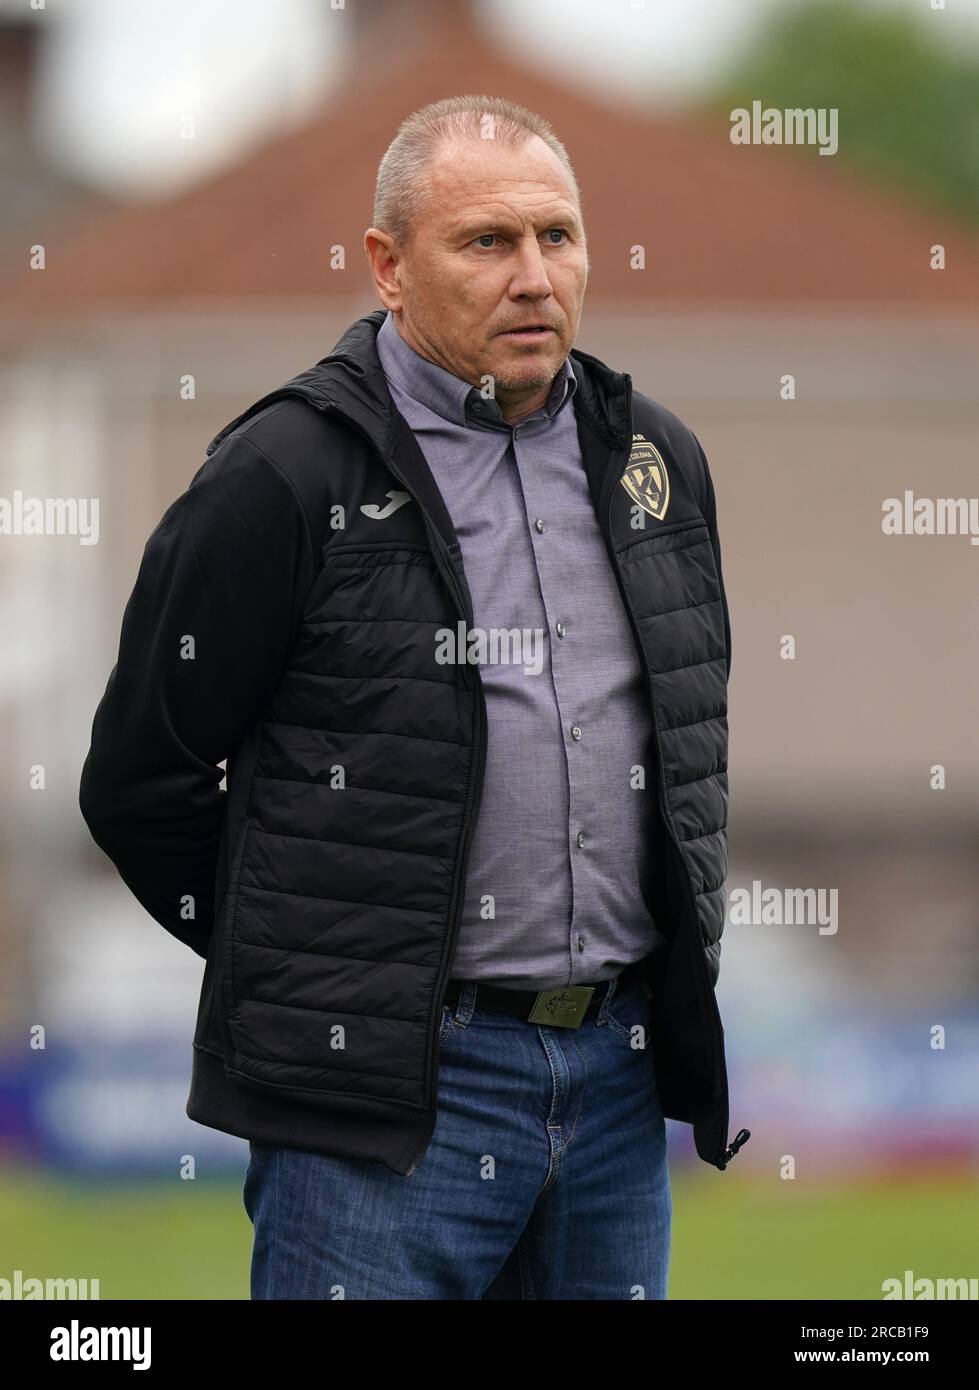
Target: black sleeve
{"points": [[710, 515], [205, 634]]}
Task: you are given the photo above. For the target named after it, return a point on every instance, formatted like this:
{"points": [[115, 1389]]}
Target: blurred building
{"points": [[35, 189], [760, 264]]}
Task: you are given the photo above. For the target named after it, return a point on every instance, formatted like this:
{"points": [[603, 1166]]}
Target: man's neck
{"points": [[514, 413]]}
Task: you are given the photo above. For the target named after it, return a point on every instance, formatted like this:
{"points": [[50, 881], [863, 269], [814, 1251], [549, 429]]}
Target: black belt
{"points": [[567, 1006]]}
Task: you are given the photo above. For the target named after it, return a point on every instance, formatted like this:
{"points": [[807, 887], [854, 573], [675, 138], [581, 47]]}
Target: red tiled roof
{"points": [[719, 222]]}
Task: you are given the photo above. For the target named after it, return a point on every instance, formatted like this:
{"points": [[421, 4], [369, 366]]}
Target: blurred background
{"points": [[190, 170]]}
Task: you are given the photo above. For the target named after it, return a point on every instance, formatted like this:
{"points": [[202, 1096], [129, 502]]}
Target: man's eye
{"points": [[487, 236], [559, 230]]}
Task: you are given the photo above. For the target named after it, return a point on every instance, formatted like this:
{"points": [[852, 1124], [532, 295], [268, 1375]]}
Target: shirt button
{"points": [[539, 524], [561, 629], [581, 944], [575, 731], [581, 838]]}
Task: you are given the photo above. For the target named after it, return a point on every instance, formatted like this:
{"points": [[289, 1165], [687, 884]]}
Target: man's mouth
{"points": [[533, 331]]}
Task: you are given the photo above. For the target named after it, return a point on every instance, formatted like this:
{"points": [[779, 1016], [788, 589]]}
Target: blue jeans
{"points": [[546, 1176]]}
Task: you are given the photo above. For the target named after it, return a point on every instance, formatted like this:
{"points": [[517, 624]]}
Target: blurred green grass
{"points": [[733, 1238], [772, 1239], [167, 1238]]}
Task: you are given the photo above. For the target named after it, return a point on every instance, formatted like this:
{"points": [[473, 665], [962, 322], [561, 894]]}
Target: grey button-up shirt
{"points": [[562, 843]]}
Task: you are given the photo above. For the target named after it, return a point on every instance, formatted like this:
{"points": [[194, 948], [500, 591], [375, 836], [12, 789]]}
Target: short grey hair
{"points": [[400, 191]]}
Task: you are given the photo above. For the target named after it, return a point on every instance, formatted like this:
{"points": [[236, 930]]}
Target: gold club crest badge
{"points": [[646, 479]]}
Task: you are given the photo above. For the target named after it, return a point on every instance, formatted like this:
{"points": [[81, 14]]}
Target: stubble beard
{"points": [[511, 384]]}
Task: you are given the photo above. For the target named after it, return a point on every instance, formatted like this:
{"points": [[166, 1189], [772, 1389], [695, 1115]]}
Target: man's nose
{"points": [[530, 277]]}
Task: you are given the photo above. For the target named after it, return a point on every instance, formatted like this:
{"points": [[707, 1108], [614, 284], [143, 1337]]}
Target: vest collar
{"points": [[350, 381], [350, 378]]}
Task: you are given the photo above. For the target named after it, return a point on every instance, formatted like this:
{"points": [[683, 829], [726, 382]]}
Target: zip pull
{"points": [[740, 1139]]}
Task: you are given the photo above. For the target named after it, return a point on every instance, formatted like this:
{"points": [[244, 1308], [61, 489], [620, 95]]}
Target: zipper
{"points": [[743, 1135], [474, 785]]}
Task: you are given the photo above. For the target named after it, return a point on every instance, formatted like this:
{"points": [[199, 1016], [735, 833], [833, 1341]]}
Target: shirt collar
{"points": [[447, 395]]}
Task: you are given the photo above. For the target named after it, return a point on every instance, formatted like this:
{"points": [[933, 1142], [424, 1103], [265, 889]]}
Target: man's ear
{"points": [[384, 261]]}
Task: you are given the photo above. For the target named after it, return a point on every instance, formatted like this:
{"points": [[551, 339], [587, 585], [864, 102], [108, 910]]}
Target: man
{"points": [[450, 604]]}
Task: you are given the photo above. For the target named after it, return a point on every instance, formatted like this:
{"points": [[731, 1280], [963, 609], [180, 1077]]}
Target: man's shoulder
{"points": [[276, 425], [671, 436], [662, 427], [284, 434]]}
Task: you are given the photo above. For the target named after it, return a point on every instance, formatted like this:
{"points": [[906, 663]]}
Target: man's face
{"points": [[498, 246]]}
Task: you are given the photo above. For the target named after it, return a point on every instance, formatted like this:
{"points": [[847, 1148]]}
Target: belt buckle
{"points": [[563, 1007]]}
